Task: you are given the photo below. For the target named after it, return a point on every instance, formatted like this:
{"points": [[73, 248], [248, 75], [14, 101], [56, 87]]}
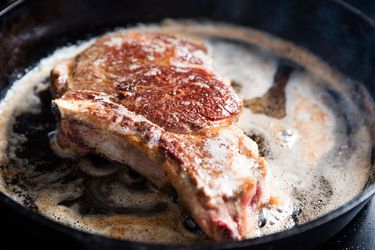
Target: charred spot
{"points": [[119, 95], [90, 96], [169, 151], [165, 87], [109, 105], [141, 126]]}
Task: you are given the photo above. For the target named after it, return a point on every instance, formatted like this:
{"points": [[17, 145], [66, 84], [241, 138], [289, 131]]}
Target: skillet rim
{"points": [[361, 198]]}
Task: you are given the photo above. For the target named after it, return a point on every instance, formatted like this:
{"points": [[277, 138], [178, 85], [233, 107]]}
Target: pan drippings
{"points": [[312, 127]]}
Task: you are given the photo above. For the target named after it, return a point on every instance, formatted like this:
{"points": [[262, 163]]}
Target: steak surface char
{"points": [[154, 101]]}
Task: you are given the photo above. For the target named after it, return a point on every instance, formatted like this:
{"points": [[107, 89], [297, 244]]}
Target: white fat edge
{"points": [[270, 123], [124, 112], [79, 106]]}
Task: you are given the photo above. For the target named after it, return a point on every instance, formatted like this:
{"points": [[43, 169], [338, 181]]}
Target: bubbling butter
{"points": [[322, 143]]}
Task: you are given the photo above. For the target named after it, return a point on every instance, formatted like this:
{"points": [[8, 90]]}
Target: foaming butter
{"points": [[312, 127]]}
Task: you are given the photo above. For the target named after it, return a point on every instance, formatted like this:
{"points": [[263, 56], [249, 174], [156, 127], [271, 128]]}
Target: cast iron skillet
{"points": [[337, 33]]}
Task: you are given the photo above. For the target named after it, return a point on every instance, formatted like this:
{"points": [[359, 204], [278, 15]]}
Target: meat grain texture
{"points": [[154, 102]]}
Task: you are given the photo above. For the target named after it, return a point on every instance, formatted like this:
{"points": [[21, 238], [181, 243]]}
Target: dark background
{"points": [[365, 6], [360, 234]]}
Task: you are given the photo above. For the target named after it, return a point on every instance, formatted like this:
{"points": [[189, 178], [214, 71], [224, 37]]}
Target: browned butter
{"points": [[311, 125]]}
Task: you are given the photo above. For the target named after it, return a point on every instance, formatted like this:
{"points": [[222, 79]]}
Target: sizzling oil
{"points": [[312, 127]]}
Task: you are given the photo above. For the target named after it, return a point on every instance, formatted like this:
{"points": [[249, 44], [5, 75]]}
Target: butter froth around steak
{"points": [[154, 102]]}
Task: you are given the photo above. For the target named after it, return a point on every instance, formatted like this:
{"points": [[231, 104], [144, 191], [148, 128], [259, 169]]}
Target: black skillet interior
{"points": [[343, 38]]}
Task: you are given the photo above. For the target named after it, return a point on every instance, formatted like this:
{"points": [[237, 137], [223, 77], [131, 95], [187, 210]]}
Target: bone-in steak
{"points": [[154, 102]]}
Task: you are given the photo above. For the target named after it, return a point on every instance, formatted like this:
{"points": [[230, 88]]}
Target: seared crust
{"points": [[169, 81], [154, 102]]}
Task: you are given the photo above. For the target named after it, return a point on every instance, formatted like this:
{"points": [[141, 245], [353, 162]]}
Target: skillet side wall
{"points": [[341, 38]]}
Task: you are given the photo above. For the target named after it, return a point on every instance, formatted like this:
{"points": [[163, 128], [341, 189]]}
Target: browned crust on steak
{"points": [[169, 83], [154, 102]]}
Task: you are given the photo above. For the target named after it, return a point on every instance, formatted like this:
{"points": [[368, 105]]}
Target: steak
{"points": [[154, 102]]}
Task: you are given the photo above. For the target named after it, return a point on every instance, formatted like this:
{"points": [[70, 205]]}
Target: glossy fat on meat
{"points": [[154, 102]]}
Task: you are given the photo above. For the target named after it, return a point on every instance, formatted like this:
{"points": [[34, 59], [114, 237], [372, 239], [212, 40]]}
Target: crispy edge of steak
{"points": [[85, 131], [89, 121]]}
